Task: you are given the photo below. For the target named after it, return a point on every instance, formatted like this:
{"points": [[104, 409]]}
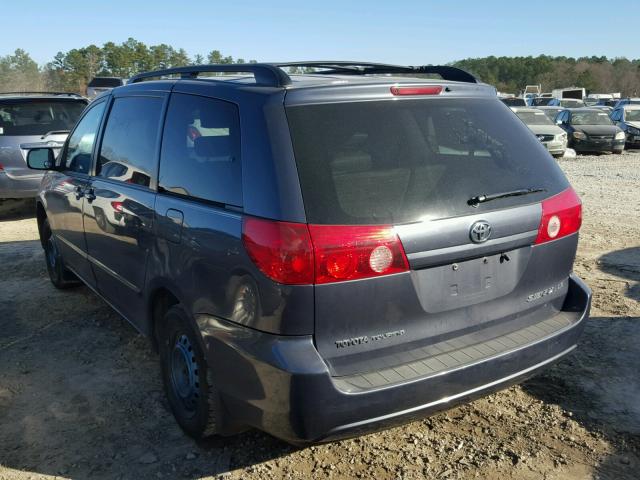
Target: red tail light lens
{"points": [[561, 216], [281, 250], [426, 90], [295, 253], [353, 252]]}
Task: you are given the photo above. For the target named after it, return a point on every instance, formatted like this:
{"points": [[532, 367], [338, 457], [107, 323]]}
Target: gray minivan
{"points": [[318, 255]]}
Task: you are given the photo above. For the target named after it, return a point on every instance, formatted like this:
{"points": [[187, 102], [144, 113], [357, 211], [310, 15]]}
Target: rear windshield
{"points": [[404, 161], [542, 101], [105, 82], [37, 117], [590, 118], [571, 103], [514, 102], [534, 118]]}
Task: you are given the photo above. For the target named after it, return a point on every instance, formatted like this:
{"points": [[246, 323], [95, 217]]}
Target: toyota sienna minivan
{"points": [[318, 255]]}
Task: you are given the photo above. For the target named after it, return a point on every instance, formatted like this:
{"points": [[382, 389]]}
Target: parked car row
{"points": [[584, 129], [323, 254]]}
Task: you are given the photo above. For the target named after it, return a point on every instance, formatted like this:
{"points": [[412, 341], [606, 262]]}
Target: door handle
{"points": [[90, 195]]}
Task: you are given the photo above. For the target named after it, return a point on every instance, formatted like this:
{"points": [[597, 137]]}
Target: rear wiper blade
{"points": [[478, 199]]}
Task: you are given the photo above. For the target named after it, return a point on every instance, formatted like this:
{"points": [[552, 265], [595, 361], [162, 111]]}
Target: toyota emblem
{"points": [[480, 231]]}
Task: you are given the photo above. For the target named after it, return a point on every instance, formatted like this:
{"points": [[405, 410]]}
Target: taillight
{"points": [[426, 90], [1, 167], [281, 250], [295, 253], [561, 216], [117, 206], [351, 252]]}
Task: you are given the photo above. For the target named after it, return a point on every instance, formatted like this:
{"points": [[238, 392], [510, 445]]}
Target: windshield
{"points": [[514, 102], [590, 118], [105, 82], [571, 103], [534, 118], [542, 101], [38, 117], [632, 115], [404, 161]]}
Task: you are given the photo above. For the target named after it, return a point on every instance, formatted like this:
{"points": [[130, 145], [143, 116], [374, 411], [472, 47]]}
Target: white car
{"points": [[551, 136]]}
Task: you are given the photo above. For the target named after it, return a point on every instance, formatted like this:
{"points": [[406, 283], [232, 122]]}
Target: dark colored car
{"points": [[628, 119], [320, 255], [591, 130], [26, 119]]}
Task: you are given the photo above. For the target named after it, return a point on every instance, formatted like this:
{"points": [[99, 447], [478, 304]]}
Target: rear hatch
{"points": [[27, 122], [420, 172]]}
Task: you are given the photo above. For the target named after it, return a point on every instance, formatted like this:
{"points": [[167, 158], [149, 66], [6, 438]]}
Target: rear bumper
{"points": [[281, 385], [19, 187]]}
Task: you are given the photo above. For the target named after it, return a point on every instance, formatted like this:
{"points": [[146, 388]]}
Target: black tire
{"points": [[60, 276], [188, 382]]}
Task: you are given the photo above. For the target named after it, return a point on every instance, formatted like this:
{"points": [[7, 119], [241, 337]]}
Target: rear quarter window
{"points": [[200, 155], [404, 161]]}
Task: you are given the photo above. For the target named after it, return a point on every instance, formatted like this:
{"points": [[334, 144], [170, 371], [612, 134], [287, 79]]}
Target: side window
{"points": [[201, 149], [76, 157], [128, 150]]}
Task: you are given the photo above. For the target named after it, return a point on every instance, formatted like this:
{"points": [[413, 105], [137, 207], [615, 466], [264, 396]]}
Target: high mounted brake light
{"points": [[296, 253], [426, 90], [561, 216]]}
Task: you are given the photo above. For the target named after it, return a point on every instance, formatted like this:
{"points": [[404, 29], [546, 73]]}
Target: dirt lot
{"points": [[80, 391]]}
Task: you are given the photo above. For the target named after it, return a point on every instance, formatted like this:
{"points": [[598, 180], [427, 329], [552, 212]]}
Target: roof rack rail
{"points": [[367, 68], [273, 75], [70, 94], [265, 74]]}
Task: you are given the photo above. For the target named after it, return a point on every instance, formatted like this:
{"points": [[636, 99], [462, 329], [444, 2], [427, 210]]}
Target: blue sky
{"points": [[408, 32]]}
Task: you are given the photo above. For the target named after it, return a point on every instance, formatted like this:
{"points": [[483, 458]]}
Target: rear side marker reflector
{"points": [[561, 216], [296, 253], [427, 90]]}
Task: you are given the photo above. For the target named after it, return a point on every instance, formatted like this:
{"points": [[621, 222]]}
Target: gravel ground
{"points": [[80, 391]]}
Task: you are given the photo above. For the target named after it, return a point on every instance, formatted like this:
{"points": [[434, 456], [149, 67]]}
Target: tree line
{"points": [[595, 74], [72, 70]]}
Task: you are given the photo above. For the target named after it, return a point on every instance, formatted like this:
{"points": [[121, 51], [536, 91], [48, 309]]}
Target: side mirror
{"points": [[41, 159]]}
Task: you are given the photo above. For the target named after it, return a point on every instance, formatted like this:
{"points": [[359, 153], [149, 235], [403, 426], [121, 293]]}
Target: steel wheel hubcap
{"points": [[184, 373]]}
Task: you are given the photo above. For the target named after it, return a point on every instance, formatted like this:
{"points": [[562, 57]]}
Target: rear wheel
{"points": [[59, 275], [188, 383]]}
